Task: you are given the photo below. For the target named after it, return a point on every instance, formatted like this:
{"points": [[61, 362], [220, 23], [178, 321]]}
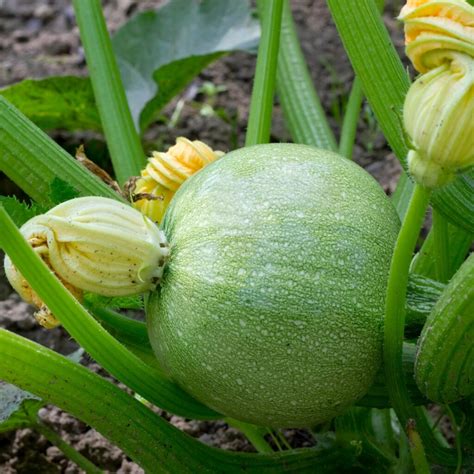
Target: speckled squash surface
{"points": [[271, 307]]}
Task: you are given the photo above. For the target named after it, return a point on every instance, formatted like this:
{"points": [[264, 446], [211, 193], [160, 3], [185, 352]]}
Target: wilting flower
{"points": [[95, 244], [166, 172], [437, 25], [438, 116]]}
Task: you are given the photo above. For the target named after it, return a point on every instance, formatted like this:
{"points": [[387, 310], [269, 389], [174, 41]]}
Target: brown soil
{"points": [[38, 39]]}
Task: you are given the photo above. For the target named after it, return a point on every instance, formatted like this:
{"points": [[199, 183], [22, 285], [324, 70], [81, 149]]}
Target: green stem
{"points": [[396, 300], [417, 450], [404, 464], [402, 194], [261, 105], [33, 160], [394, 328], [302, 109], [283, 439], [275, 439], [122, 139], [132, 334], [457, 437], [441, 246], [351, 118], [148, 439], [395, 314], [68, 450], [104, 348], [253, 433], [376, 64]]}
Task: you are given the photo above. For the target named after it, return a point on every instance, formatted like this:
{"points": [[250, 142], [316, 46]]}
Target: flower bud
{"points": [[99, 245], [166, 172], [437, 25], [438, 117]]}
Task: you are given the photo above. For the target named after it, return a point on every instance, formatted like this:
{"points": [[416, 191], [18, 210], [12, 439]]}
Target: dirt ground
{"points": [[38, 39]]}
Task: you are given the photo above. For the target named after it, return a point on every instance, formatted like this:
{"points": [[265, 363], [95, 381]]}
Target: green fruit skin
{"points": [[271, 307], [444, 367]]}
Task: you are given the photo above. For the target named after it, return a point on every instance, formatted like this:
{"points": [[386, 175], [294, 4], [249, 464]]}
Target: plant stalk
{"points": [[148, 439], [253, 434], [33, 160], [122, 138], [441, 246], [351, 119], [417, 451], [408, 415], [302, 109], [261, 105], [81, 461]]}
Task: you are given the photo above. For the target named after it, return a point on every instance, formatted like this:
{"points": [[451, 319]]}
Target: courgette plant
{"points": [[339, 288]]}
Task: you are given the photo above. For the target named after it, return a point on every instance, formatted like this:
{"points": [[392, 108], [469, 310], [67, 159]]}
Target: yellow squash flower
{"points": [[166, 172], [439, 118], [95, 244], [437, 25]]}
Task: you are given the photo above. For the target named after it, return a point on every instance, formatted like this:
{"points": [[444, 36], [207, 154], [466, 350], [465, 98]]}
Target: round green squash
{"points": [[271, 307]]}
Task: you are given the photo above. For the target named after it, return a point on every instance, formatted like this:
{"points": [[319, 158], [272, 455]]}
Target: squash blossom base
{"points": [[438, 116], [270, 308]]}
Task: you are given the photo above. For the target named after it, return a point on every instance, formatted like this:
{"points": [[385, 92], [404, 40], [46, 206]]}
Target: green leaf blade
{"points": [[58, 102], [182, 31], [123, 142], [19, 211], [302, 109], [16, 405]]}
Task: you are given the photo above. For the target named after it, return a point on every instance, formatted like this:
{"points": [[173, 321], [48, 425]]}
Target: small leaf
{"points": [[19, 211], [159, 52], [16, 407], [62, 191], [117, 302], [65, 102]]}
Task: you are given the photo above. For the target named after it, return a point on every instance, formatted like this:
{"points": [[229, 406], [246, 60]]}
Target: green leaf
{"points": [[459, 244], [114, 302], [422, 294], [62, 191], [19, 211], [16, 407], [65, 102], [193, 33], [456, 201], [181, 39], [263, 89]]}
